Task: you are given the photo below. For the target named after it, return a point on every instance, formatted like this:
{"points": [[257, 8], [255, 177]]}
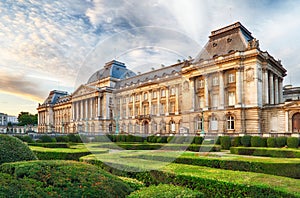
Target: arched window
{"points": [[172, 126], [130, 128], [230, 122], [198, 124], [154, 127], [296, 122], [213, 123]]}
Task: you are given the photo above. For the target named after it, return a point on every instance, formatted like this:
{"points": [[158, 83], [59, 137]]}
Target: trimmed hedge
{"points": [[292, 142], [281, 141], [291, 170], [188, 147], [50, 145], [46, 138], [257, 141], [271, 142], [236, 141], [25, 138], [266, 152], [59, 179], [225, 142], [13, 150], [165, 191], [246, 140], [207, 180]]}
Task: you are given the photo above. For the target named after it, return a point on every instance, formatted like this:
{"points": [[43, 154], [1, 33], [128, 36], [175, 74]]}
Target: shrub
{"points": [[162, 139], [271, 142], [47, 138], [198, 140], [25, 138], [257, 141], [66, 179], [165, 191], [170, 138], [246, 140], [267, 152], [292, 142], [225, 142], [74, 138], [236, 141], [13, 150], [51, 145], [62, 138], [281, 141]]}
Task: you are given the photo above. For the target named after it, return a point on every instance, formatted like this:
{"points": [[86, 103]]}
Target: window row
{"points": [[215, 80], [214, 101], [213, 123]]}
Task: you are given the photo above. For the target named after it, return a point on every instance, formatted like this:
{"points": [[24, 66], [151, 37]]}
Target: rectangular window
{"points": [[124, 112], [124, 100], [172, 91], [130, 112], [162, 108], [131, 99], [154, 109], [201, 83], [215, 101], [145, 110], [154, 94], [145, 96], [215, 81], [231, 78], [172, 107], [163, 93], [231, 98], [137, 97], [201, 102]]}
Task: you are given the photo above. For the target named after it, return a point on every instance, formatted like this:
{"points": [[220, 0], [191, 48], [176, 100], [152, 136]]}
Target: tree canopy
{"points": [[25, 118]]}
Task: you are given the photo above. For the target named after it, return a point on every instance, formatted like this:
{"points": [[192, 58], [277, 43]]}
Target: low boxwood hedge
{"points": [[292, 142], [59, 179], [51, 145], [13, 150], [291, 170], [225, 142], [165, 191], [267, 152], [212, 182]]}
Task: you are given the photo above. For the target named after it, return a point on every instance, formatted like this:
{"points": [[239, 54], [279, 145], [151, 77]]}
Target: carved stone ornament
{"points": [[250, 74]]}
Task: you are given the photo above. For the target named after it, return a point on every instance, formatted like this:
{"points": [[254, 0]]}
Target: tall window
{"points": [[131, 98], [172, 107], [215, 81], [163, 93], [215, 101], [172, 126], [130, 111], [162, 108], [198, 123], [213, 123], [231, 78], [145, 109], [231, 98], [230, 122], [154, 109], [201, 83], [124, 100], [201, 102], [137, 111], [145, 96], [124, 112], [172, 91], [154, 127], [137, 128], [154, 94], [130, 128], [137, 97]]}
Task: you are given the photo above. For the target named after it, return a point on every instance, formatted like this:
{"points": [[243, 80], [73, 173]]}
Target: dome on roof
{"points": [[114, 69]]}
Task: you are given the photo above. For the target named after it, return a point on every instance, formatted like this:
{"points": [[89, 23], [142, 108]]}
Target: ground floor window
{"points": [[230, 122]]}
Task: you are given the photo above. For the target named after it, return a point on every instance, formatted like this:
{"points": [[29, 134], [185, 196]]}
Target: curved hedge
{"points": [[61, 179], [13, 150], [266, 152], [165, 191]]}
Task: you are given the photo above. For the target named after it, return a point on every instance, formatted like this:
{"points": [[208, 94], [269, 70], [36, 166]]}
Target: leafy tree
{"points": [[25, 118]]}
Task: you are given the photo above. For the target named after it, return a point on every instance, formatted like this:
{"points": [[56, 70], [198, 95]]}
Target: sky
{"points": [[54, 44]]}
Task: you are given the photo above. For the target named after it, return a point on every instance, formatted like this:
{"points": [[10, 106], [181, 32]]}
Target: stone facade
{"points": [[231, 87]]}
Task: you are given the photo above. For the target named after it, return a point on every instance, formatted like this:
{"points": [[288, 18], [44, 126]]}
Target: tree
{"points": [[25, 118]]}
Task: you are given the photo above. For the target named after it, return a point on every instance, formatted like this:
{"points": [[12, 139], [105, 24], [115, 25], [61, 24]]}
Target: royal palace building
{"points": [[232, 87]]}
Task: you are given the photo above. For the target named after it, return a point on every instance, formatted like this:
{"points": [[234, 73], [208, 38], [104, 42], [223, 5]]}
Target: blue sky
{"points": [[48, 44]]}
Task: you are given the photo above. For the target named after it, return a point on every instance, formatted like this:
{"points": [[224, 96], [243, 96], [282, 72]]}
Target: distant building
{"points": [[12, 119], [231, 88], [291, 93], [3, 119]]}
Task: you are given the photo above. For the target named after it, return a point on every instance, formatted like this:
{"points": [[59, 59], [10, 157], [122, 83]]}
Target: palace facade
{"points": [[232, 87]]}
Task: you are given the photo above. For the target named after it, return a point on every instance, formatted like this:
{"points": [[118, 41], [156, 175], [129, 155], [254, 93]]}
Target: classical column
{"points": [[266, 87], [150, 105], [91, 109], [238, 87], [99, 107], [176, 100], [271, 88], [221, 90], [133, 105], [158, 102], [141, 104], [86, 109], [280, 90], [276, 89], [167, 101], [286, 121], [81, 110], [73, 111], [206, 92]]}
